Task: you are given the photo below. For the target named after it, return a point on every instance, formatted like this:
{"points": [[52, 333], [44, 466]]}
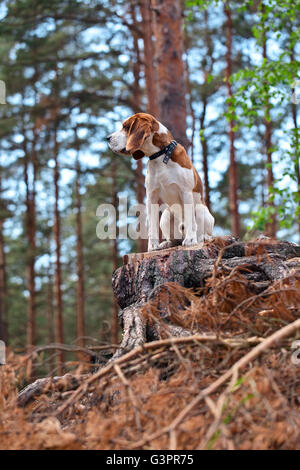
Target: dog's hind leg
{"points": [[204, 220]]}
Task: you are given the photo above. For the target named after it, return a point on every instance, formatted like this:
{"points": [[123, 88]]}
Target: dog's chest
{"points": [[170, 179]]}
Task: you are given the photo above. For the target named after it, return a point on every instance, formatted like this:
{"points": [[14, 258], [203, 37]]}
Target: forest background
{"points": [[222, 76]]}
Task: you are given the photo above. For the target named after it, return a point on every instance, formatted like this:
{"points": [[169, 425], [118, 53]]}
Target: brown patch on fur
{"points": [[198, 187], [162, 140], [181, 157]]}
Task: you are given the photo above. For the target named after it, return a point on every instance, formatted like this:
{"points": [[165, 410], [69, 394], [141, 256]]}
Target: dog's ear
{"points": [[138, 155], [138, 132]]}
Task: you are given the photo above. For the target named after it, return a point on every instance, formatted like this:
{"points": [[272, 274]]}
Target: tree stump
{"points": [[144, 276]]}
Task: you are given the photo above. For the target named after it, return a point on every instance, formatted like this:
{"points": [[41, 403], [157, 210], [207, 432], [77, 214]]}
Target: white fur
{"points": [[118, 141], [162, 129]]}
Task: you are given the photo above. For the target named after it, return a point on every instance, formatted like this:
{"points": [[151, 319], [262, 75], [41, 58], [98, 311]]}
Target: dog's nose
{"points": [[108, 138]]}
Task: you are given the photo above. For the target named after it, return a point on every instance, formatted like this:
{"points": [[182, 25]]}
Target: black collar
{"points": [[168, 150]]}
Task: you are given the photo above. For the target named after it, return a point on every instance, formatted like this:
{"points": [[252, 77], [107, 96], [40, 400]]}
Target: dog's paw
{"points": [[153, 245], [190, 241], [169, 244]]}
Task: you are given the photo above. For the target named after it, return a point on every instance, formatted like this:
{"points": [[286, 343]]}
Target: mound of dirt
{"points": [[208, 360]]}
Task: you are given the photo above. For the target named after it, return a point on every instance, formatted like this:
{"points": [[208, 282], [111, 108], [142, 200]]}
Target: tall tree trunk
{"points": [[297, 152], [58, 276], [50, 319], [171, 79], [204, 152], [270, 229], [79, 249], [3, 287], [150, 75], [30, 236], [233, 179], [115, 261], [208, 69], [31, 226], [190, 97], [140, 181]]}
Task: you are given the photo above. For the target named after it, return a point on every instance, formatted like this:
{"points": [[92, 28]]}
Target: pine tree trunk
{"points": [[204, 153], [3, 286], [140, 180], [190, 97], [3, 291], [30, 236], [80, 261], [297, 156], [270, 229], [150, 76], [171, 79], [233, 180], [58, 277], [115, 262], [50, 319], [207, 72]]}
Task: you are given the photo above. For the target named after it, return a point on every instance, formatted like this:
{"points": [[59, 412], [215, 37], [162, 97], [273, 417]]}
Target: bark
{"points": [[233, 179], [171, 79], [144, 277], [58, 276], [3, 288], [190, 97], [3, 285], [204, 153], [150, 76], [115, 260], [50, 318], [41, 386], [80, 296], [207, 71], [30, 235]]}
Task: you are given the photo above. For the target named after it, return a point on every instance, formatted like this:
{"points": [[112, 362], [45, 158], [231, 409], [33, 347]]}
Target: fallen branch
{"points": [[40, 386], [142, 350]]}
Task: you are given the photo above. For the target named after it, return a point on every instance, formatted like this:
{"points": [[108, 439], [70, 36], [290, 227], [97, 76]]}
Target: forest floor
{"points": [[234, 383]]}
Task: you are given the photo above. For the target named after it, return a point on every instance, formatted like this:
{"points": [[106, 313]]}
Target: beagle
{"points": [[171, 178]]}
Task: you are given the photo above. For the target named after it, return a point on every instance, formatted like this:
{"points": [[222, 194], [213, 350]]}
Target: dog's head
{"points": [[136, 136]]}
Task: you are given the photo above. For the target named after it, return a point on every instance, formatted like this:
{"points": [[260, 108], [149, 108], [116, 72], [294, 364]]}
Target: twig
{"points": [[131, 395], [39, 387], [126, 357]]}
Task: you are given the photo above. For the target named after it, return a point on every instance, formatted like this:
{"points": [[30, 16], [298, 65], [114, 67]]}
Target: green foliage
{"points": [[263, 94]]}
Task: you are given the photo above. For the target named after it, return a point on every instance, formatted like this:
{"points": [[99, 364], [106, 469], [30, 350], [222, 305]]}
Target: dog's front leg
{"points": [[190, 225], [153, 220]]}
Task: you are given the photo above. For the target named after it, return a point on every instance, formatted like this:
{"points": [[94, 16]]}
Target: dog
{"points": [[171, 178]]}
